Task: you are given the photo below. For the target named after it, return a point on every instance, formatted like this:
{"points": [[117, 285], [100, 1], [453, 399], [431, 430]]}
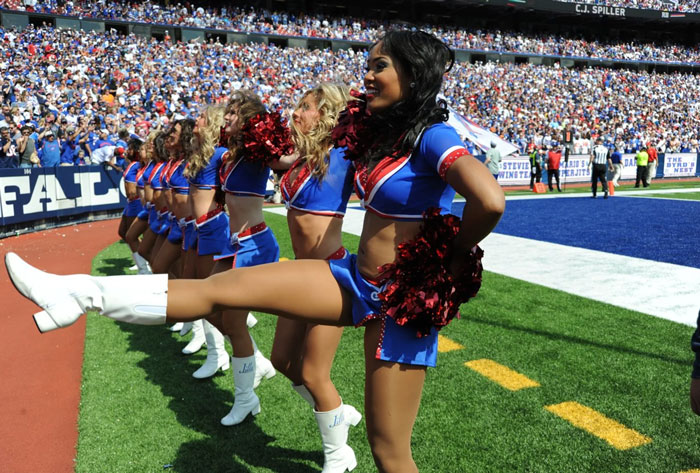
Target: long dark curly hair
{"points": [[133, 149], [185, 145], [160, 154], [423, 59]]}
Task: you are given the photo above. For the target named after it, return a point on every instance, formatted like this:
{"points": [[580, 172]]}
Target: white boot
{"points": [[263, 366], [197, 340], [245, 400], [334, 425], [177, 327], [141, 264], [217, 356], [304, 393], [185, 329], [136, 299], [250, 321]]}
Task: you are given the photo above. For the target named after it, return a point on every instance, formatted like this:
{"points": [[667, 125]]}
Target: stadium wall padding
{"points": [[41, 194], [515, 170]]}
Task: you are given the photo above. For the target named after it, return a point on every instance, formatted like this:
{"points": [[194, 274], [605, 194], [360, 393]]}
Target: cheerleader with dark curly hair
{"points": [[178, 145], [414, 265]]}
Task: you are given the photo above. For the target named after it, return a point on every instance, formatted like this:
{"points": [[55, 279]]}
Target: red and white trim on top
{"points": [[128, 169], [449, 157]]}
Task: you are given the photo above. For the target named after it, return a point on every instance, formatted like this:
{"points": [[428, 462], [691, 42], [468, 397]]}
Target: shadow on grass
{"points": [[200, 404], [576, 340], [114, 266]]}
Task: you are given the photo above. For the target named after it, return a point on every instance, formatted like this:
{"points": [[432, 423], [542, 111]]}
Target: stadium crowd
{"points": [[287, 24], [78, 84]]}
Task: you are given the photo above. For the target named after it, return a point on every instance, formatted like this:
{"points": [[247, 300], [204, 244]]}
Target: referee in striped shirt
{"points": [[600, 159]]}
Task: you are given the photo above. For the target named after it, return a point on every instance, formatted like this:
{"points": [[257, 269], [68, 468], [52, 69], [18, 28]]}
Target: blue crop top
{"points": [[328, 196], [245, 177], [403, 188], [131, 172], [208, 177], [145, 174], [165, 175], [176, 178], [155, 179]]}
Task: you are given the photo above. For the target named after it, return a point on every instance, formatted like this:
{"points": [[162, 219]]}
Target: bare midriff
{"points": [[314, 236], [244, 211], [131, 190], [202, 201], [379, 240], [180, 205]]}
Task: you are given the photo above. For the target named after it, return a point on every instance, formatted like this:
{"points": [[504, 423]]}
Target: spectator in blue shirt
{"points": [[9, 157], [103, 140], [69, 147], [50, 151]]}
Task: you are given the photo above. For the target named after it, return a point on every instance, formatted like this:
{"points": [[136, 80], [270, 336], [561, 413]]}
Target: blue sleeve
{"points": [[440, 145], [208, 177], [695, 346]]}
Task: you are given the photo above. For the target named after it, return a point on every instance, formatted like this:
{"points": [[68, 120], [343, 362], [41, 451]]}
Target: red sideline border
{"points": [[42, 373]]}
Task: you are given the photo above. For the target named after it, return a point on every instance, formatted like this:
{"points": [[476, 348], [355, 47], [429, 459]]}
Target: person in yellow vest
{"points": [[642, 169]]}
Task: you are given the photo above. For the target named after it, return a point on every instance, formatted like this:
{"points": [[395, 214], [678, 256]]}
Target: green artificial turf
{"points": [[141, 411], [679, 195], [583, 188]]}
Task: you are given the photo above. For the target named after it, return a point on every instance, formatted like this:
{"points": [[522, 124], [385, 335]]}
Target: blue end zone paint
{"points": [[656, 229]]}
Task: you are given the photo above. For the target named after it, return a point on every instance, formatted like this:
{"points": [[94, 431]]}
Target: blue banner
{"points": [[44, 193]]}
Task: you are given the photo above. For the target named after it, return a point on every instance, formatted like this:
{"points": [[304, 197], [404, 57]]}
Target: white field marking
{"points": [[664, 290]]}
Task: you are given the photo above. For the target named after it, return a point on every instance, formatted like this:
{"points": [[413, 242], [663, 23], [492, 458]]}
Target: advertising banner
{"points": [[43, 193], [515, 170], [680, 164]]}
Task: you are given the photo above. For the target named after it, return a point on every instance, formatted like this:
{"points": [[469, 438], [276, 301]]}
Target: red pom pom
{"points": [[266, 137], [351, 130], [420, 291]]}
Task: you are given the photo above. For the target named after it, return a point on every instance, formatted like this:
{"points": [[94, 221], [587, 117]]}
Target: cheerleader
{"points": [[244, 176], [316, 190], [130, 174], [206, 229], [140, 223], [178, 144], [160, 223], [155, 153], [414, 266]]}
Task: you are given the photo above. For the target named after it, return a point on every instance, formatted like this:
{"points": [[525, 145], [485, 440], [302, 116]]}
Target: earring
{"points": [[413, 84]]}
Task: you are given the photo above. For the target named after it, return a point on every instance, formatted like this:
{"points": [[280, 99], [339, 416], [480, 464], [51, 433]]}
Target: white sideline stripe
{"points": [[664, 290]]}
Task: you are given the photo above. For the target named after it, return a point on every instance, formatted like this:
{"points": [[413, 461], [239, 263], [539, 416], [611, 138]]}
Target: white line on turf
{"points": [[664, 290]]}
